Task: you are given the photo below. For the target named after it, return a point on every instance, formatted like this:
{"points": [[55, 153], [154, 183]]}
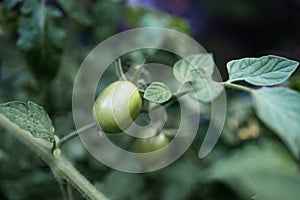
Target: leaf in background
{"points": [[183, 68], [141, 17], [120, 185], [178, 180], [266, 70], [157, 92], [241, 123], [279, 109], [264, 171], [106, 18], [30, 117], [205, 88], [9, 4], [41, 37], [76, 10]]}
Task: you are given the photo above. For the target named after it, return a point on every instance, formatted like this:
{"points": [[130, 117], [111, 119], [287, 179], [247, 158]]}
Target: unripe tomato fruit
{"points": [[147, 145], [117, 106]]}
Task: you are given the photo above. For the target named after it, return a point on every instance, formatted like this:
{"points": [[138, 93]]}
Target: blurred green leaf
{"points": [[178, 180], [184, 67], [120, 185], [295, 83], [157, 92], [240, 116], [9, 4], [266, 70], [279, 109], [28, 185], [206, 89], [106, 15], [30, 117], [140, 17], [198, 69], [146, 18], [180, 24], [41, 37], [260, 171], [76, 10]]}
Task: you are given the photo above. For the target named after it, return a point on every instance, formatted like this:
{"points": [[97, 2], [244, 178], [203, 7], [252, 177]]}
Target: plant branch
{"points": [[60, 166], [137, 75], [182, 93], [69, 192], [173, 98], [237, 87], [119, 70], [63, 190], [73, 134]]}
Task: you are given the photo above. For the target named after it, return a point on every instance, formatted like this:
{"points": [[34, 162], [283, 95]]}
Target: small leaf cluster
{"points": [[278, 107]]}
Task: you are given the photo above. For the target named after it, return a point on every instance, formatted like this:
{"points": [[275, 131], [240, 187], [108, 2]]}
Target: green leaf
{"points": [[263, 71], [206, 89], [157, 92], [9, 4], [30, 117], [121, 190], [181, 179], [76, 10], [41, 37], [199, 69], [183, 68], [147, 18], [279, 109], [263, 170]]}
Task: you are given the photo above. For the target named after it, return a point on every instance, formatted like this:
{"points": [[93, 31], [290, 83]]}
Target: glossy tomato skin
{"points": [[151, 145], [117, 106]]}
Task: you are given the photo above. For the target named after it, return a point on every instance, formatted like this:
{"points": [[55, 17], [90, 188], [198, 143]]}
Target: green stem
{"points": [[237, 87], [60, 167], [173, 98], [182, 93], [74, 134], [119, 70], [69, 192], [137, 75], [63, 190], [141, 91]]}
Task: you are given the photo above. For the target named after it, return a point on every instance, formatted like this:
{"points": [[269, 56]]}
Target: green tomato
{"points": [[147, 145], [117, 106]]}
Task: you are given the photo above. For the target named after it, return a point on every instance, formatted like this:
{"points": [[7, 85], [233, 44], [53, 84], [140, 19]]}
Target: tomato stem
{"points": [[173, 98], [228, 84], [119, 70], [137, 75], [61, 168], [75, 133]]}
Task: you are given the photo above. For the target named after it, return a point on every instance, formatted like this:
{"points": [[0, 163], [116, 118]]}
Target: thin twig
{"points": [[75, 133], [119, 70], [228, 84]]}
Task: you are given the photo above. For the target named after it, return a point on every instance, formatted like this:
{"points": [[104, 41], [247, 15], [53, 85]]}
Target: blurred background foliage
{"points": [[43, 43]]}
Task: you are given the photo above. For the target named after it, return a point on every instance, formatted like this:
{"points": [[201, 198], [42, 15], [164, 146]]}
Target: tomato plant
{"points": [[43, 46]]}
